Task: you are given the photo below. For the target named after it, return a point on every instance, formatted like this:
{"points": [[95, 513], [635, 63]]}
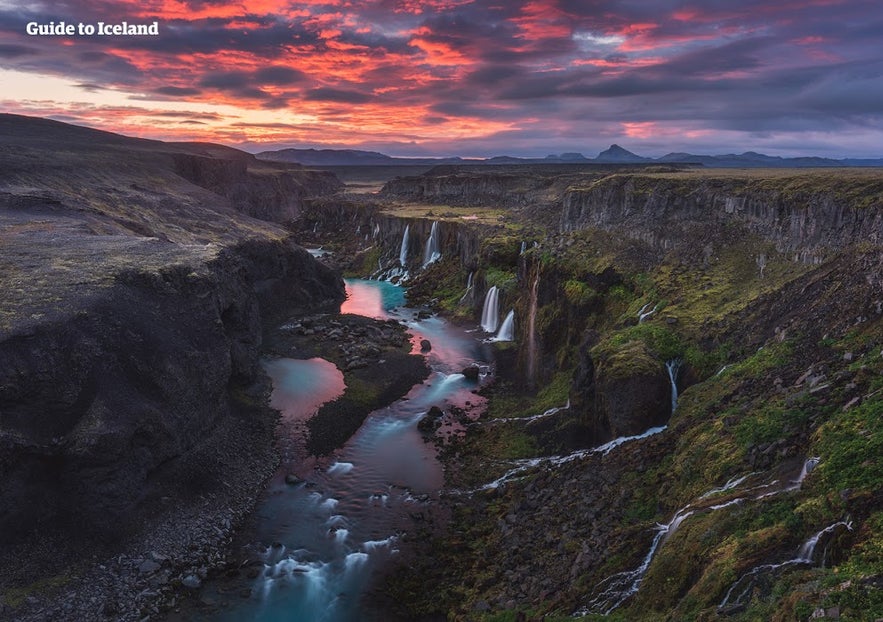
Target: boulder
{"points": [[471, 373], [632, 390]]}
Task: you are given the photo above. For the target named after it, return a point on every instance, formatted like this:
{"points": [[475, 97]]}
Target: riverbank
{"points": [[376, 361], [180, 535]]}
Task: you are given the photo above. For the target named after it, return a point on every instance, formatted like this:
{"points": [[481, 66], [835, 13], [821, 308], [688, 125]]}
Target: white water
{"points": [[403, 251], [805, 557], [609, 446], [507, 330], [673, 367], [621, 586], [490, 313], [547, 413], [808, 548], [344, 521], [731, 483], [523, 248], [522, 466], [643, 314], [433, 247], [467, 295]]}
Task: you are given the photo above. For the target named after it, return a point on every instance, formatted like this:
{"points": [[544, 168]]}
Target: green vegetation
{"points": [[15, 596], [503, 279], [775, 370], [579, 294]]}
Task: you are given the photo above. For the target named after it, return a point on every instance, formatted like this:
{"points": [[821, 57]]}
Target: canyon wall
{"points": [[136, 287], [805, 221]]}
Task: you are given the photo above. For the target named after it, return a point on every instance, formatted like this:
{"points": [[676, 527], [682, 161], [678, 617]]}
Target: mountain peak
{"points": [[615, 153]]}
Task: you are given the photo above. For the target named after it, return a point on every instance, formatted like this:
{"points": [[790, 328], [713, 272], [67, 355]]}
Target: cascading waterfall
{"points": [[532, 331], [643, 314], [740, 592], [523, 248], [522, 466], [468, 295], [433, 247], [507, 330], [490, 313], [673, 366], [403, 251], [623, 585]]}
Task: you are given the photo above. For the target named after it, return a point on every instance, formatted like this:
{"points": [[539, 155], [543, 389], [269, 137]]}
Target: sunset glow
{"points": [[462, 77]]}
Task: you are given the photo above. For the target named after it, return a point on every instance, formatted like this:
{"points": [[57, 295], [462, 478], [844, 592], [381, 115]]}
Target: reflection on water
{"points": [[372, 298], [300, 387], [319, 541]]}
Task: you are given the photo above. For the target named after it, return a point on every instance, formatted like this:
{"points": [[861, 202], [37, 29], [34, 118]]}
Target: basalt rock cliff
{"points": [[136, 285], [757, 493]]}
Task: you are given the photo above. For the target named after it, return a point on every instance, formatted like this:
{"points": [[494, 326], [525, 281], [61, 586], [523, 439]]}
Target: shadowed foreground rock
{"points": [[130, 328]]}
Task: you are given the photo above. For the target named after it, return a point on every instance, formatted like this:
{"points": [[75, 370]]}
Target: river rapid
{"points": [[324, 526]]}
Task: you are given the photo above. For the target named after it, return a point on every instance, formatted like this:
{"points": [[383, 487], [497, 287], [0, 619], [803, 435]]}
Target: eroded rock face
{"points": [[135, 291], [632, 391], [806, 216], [93, 403]]}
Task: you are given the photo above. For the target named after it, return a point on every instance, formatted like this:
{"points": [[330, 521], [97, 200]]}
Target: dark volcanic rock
{"points": [[93, 404], [135, 291], [471, 373], [633, 391]]}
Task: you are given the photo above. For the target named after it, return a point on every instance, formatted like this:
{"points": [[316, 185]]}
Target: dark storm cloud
{"points": [[177, 91], [337, 95], [279, 75], [16, 51], [90, 87]]}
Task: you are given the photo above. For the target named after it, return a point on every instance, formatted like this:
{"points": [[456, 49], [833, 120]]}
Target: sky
{"points": [[474, 78]]}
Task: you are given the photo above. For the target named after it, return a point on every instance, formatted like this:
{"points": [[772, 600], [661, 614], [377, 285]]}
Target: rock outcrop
{"points": [[632, 392], [133, 313], [806, 215]]}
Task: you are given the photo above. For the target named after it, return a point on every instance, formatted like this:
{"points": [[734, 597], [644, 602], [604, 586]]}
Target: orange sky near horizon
{"points": [[461, 77]]}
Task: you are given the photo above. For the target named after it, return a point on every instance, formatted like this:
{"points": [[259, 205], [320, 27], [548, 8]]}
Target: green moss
{"points": [[501, 278], [579, 294], [500, 250], [851, 448], [770, 421], [15, 596], [661, 341], [366, 265]]}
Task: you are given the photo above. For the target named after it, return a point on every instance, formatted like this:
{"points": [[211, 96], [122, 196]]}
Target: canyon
{"points": [[682, 412]]}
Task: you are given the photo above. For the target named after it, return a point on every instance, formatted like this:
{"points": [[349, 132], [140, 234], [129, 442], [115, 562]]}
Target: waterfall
{"points": [[467, 296], [507, 330], [805, 556], [643, 314], [619, 587], [490, 314], [673, 366], [433, 249], [808, 548], [403, 252], [532, 332], [523, 248]]}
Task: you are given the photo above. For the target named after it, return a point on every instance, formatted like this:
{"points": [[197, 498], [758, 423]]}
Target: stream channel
{"points": [[322, 540]]}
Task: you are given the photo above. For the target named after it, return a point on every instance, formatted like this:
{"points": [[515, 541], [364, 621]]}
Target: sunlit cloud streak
{"points": [[467, 77]]}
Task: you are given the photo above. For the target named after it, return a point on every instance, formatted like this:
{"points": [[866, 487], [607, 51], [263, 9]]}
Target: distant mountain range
{"points": [[612, 155]]}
